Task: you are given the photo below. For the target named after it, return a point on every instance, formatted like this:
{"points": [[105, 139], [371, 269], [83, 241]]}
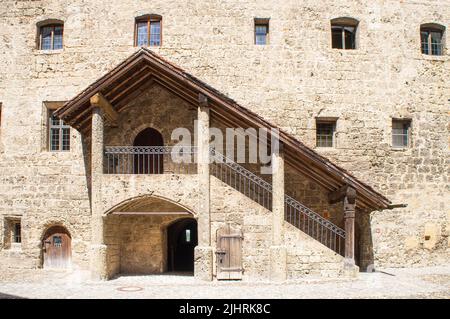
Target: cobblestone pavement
{"points": [[429, 282]]}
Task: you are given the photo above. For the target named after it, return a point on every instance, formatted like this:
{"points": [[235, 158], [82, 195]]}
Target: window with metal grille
{"points": [[148, 31], [51, 37], [325, 134], [431, 38], [59, 134], [343, 33], [17, 229], [401, 130], [261, 31]]}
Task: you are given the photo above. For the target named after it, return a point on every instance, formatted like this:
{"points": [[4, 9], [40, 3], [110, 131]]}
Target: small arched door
{"points": [[149, 162], [57, 251], [182, 239]]}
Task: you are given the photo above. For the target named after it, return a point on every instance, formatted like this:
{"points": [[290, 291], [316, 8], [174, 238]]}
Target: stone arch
{"points": [[141, 128], [127, 203], [56, 223]]}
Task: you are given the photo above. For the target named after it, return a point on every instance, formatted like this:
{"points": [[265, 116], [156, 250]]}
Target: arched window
{"points": [[50, 34], [147, 31], [148, 158], [343, 33], [432, 38]]}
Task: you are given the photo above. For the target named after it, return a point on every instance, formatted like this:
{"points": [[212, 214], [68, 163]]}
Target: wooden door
{"points": [[229, 253], [57, 248]]}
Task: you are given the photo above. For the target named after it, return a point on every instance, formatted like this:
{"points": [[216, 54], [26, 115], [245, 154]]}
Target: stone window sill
{"points": [[400, 149], [428, 57], [48, 52]]}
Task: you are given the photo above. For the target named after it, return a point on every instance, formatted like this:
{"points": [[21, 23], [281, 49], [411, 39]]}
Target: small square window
{"points": [[325, 133], [343, 33], [261, 31], [12, 232], [401, 133], [51, 37]]}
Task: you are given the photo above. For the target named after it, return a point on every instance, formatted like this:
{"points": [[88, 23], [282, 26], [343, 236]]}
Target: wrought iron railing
{"points": [[150, 160], [241, 179], [260, 191], [314, 225]]}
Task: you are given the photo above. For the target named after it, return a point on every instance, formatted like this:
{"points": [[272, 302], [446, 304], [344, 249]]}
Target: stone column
{"points": [[278, 254], [203, 264], [98, 248], [349, 219]]}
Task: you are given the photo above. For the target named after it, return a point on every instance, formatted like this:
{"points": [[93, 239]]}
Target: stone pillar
{"points": [[349, 219], [98, 248], [278, 254], [203, 260]]}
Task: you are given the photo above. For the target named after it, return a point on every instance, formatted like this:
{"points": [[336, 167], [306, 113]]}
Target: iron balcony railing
{"points": [[150, 160], [260, 191]]}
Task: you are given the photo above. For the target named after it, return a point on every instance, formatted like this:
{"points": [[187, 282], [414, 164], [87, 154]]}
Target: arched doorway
{"points": [[149, 162], [56, 245], [181, 241]]}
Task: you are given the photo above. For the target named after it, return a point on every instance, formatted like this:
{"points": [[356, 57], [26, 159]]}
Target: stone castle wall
{"points": [[290, 82]]}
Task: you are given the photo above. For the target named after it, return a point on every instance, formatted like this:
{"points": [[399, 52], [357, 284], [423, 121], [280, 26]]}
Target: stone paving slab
{"points": [[429, 282]]}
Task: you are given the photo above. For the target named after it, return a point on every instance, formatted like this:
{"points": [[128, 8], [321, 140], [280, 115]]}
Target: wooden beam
{"points": [[342, 192], [111, 115]]}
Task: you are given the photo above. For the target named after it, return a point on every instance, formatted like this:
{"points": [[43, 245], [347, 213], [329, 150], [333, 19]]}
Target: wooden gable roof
{"points": [[144, 68]]}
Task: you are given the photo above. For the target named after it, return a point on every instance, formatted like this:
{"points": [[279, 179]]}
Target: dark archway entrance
{"points": [[150, 161], [56, 245], [181, 241]]}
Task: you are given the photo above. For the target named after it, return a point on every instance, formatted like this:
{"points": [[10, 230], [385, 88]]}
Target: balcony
{"points": [[150, 160]]}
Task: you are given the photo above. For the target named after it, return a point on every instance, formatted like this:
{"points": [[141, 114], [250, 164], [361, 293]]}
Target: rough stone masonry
{"points": [[292, 81]]}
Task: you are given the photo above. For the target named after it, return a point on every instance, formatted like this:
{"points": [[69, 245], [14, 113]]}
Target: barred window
{"points": [[261, 31], [51, 37], [17, 229], [148, 31], [343, 33], [431, 38], [325, 131], [401, 130], [59, 135]]}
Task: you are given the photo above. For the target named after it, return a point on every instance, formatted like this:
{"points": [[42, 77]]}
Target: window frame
{"points": [[408, 133], [333, 123], [61, 126], [431, 28], [53, 26], [261, 22], [16, 233], [343, 23], [148, 18]]}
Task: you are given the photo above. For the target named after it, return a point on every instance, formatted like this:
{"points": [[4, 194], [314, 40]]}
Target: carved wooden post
{"points": [[203, 252]]}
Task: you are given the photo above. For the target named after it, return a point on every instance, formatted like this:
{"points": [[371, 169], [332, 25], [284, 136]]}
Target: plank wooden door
{"points": [[229, 253], [57, 248]]}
